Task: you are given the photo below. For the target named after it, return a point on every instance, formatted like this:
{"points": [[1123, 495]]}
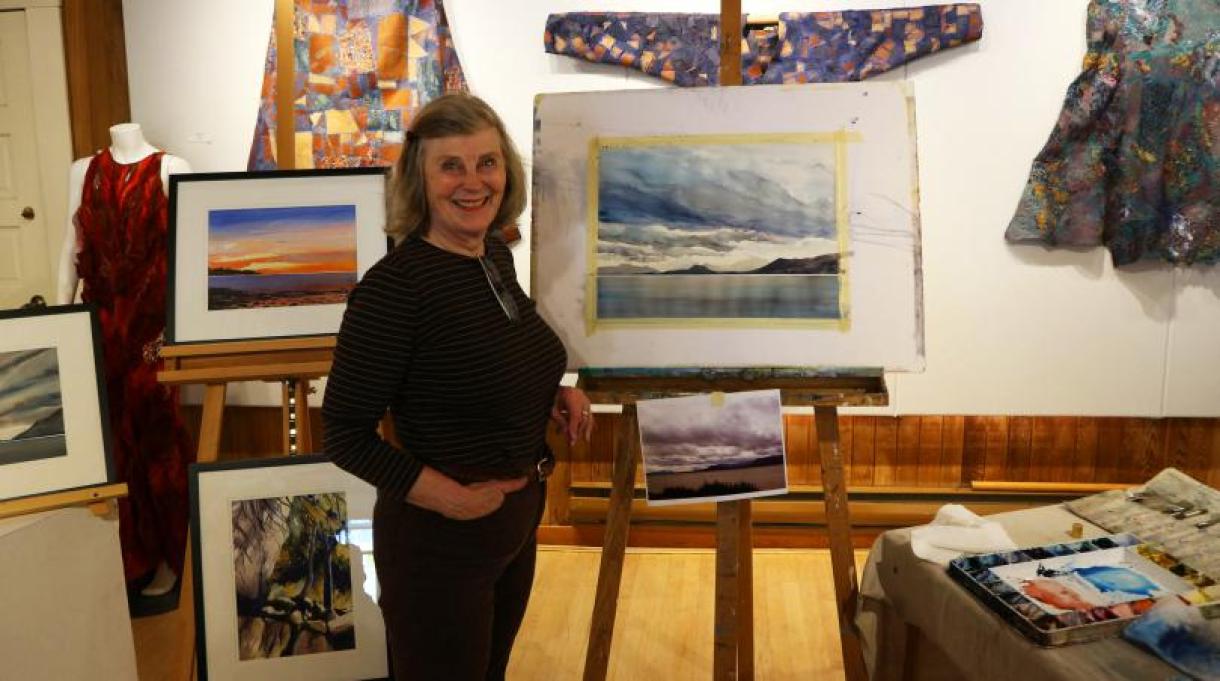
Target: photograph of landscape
{"points": [[276, 257], [705, 448], [708, 229]]}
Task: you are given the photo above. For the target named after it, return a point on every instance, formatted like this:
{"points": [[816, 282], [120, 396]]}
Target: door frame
{"points": [[52, 126]]}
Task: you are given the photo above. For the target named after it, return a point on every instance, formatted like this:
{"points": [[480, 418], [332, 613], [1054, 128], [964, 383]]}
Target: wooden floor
{"points": [[664, 625]]}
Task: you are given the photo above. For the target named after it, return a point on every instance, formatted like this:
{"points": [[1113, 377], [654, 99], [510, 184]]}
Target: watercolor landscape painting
{"points": [[699, 449], [31, 406], [717, 227], [278, 257], [293, 575]]}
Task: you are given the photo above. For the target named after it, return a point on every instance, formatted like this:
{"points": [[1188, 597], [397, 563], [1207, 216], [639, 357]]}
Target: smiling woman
{"points": [[441, 334]]}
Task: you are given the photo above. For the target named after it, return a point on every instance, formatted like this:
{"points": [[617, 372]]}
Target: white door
{"points": [[24, 266]]}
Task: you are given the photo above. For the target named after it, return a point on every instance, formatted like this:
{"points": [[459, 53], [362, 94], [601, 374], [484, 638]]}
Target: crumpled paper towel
{"points": [[956, 530]]}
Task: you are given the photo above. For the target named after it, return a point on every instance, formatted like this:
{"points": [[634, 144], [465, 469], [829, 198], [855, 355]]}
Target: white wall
{"points": [[1009, 330]]}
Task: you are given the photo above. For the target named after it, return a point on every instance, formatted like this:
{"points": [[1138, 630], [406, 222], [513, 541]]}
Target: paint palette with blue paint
{"points": [[1082, 590]]}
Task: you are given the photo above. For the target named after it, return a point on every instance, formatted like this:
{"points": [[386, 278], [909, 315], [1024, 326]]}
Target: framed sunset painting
{"points": [[270, 255]]}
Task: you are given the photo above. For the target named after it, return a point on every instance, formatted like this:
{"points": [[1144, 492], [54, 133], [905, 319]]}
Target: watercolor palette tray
{"points": [[1080, 591]]}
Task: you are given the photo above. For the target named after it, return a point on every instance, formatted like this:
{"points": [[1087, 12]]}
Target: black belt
{"points": [[540, 470]]}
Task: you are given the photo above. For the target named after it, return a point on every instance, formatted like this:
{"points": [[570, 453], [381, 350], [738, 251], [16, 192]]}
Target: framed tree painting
{"points": [[54, 430], [283, 563], [269, 255], [730, 227]]}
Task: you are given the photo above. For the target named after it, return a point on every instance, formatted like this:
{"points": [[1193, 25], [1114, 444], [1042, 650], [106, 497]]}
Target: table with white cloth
{"points": [[917, 623]]}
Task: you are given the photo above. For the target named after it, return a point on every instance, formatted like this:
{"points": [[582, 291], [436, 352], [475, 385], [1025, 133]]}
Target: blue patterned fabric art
{"points": [[363, 68], [1134, 161], [804, 47]]}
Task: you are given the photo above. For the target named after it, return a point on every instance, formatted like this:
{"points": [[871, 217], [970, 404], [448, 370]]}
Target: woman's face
{"points": [[464, 180]]}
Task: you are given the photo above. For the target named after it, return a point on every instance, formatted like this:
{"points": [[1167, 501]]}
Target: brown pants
{"points": [[453, 592]]}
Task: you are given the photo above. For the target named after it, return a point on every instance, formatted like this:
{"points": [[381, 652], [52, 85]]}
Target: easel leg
{"points": [[838, 524], [610, 573], [745, 591], [732, 639], [210, 422], [208, 451]]}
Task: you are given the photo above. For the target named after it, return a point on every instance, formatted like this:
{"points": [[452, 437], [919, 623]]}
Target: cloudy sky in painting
{"points": [[689, 434], [730, 207], [29, 389]]}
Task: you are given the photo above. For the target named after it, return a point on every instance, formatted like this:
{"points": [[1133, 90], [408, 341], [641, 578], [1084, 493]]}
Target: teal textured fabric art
{"points": [[1134, 160]]}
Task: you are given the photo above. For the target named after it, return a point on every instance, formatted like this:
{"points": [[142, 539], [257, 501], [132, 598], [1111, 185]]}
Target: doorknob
{"points": [[27, 213]]}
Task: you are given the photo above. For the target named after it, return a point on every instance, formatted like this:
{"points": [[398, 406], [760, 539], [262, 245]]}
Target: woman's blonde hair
{"points": [[448, 115]]}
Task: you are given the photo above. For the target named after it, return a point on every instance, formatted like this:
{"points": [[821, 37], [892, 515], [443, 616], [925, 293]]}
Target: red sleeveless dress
{"points": [[121, 229]]}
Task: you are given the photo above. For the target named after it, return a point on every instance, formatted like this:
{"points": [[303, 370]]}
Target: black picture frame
{"points": [[214, 487], [188, 319], [88, 461]]}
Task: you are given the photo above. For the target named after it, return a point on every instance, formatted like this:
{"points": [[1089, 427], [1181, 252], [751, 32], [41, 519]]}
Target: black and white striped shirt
{"points": [[424, 336]]}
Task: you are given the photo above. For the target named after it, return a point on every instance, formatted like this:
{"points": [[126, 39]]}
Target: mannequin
{"points": [[128, 149], [127, 145]]}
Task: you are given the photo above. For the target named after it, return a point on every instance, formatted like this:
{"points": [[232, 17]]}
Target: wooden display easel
{"points": [[733, 653], [292, 362], [99, 500]]}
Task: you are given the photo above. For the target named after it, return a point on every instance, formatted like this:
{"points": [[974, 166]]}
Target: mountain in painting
{"points": [[822, 264]]}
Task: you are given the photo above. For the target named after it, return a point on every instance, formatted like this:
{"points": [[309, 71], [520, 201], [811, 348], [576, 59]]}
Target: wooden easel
{"points": [[292, 362], [100, 500], [733, 640]]}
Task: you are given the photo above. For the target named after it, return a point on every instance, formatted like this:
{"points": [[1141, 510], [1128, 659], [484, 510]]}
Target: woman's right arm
{"points": [[371, 357], [372, 353]]}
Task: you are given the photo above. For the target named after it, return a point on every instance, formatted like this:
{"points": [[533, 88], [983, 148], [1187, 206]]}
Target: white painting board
{"points": [[702, 194]]}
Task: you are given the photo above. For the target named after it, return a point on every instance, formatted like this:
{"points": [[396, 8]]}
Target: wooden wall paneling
{"points": [[1063, 448], [1178, 444], [995, 464], [864, 432], [559, 485], [1143, 444], [1084, 456], [603, 461], [885, 450], [952, 451], [1020, 438], [1111, 433], [974, 448], [95, 54], [600, 444], [803, 468], [930, 444], [846, 439], [906, 460], [1040, 444], [1213, 457]]}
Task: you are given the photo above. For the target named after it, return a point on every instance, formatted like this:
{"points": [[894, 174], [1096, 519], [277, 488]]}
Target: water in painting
{"points": [[696, 449], [276, 257], [708, 228]]}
